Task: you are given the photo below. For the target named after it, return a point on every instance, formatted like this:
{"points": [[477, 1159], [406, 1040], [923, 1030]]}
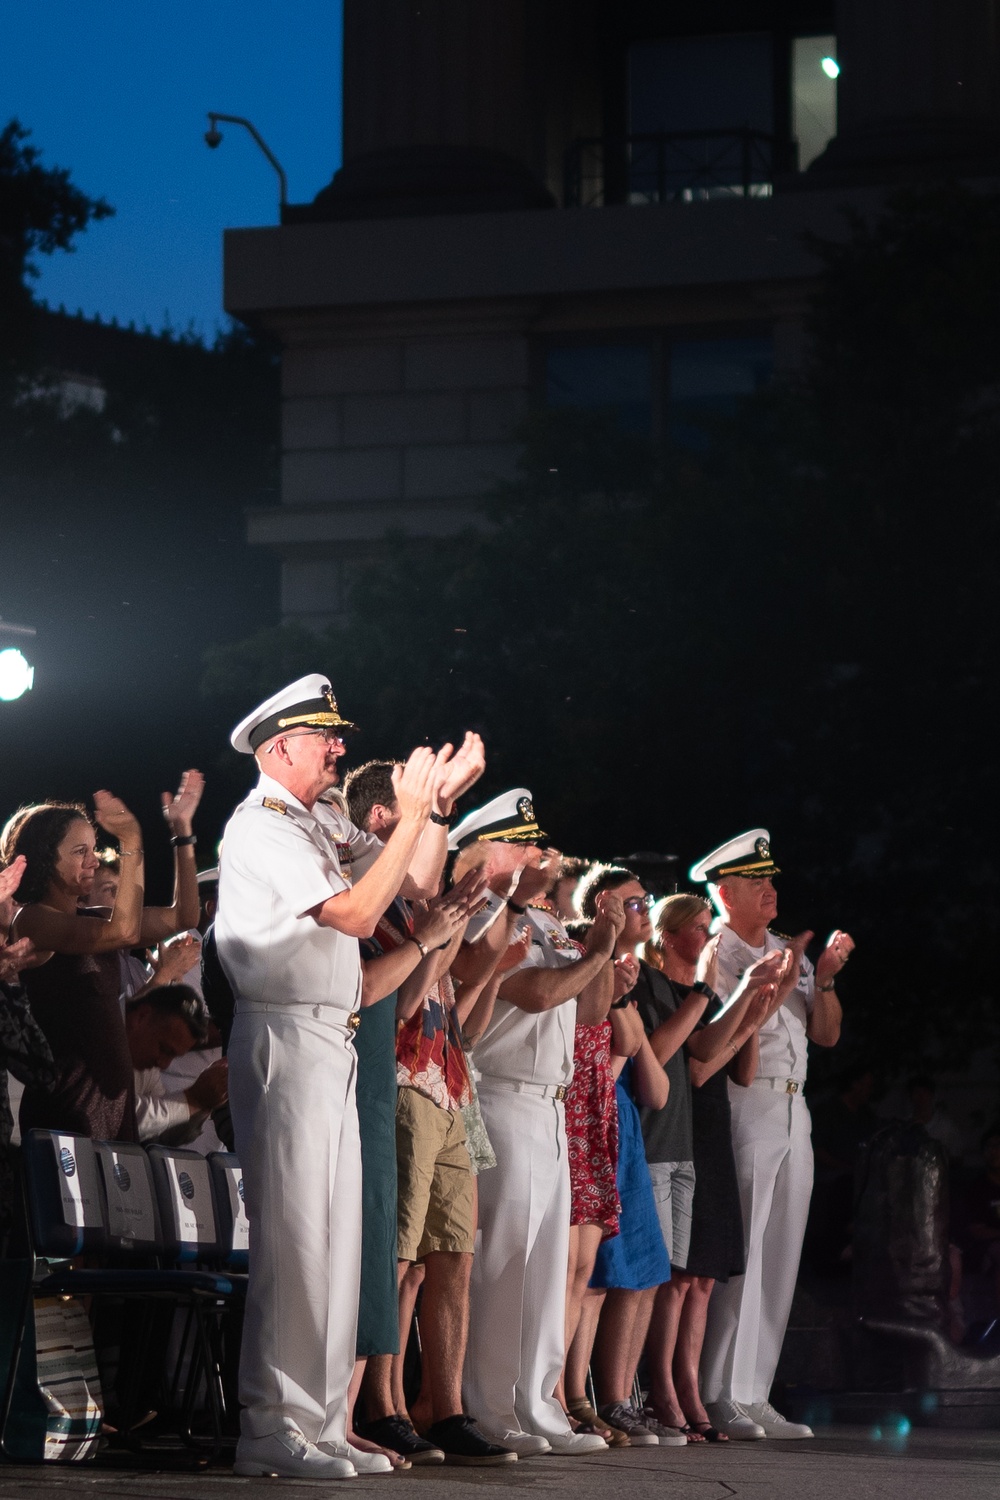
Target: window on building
{"points": [[616, 378], [814, 94], [707, 378], [717, 93]]}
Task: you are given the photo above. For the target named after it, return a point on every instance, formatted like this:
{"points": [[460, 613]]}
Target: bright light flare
{"points": [[830, 66], [16, 675]]}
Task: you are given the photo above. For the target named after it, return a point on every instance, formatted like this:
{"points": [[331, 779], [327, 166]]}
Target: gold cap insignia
{"points": [[763, 849], [526, 810]]}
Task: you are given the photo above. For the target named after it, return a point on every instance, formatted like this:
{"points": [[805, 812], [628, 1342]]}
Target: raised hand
{"points": [[534, 880], [10, 879], [764, 1002], [608, 923], [179, 810], [414, 783], [839, 947], [768, 970], [459, 772], [114, 817]]}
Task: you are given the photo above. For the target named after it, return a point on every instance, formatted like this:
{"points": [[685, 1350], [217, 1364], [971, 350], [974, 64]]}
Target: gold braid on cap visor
{"points": [[762, 867]]}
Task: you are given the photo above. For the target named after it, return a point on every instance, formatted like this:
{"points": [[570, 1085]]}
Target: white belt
{"points": [[333, 1015], [780, 1085], [516, 1086]]}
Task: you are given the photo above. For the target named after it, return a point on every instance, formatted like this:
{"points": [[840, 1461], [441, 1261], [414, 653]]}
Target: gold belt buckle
{"points": [[791, 1087], [354, 1020], [561, 1091]]}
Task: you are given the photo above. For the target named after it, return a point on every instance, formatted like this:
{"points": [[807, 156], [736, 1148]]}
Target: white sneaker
{"points": [[773, 1423], [524, 1444], [364, 1463], [576, 1444], [731, 1419], [289, 1455]]}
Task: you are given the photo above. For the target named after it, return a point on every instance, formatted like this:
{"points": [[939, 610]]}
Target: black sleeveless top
{"points": [[74, 997]]}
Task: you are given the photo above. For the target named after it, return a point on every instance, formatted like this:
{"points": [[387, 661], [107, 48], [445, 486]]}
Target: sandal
{"points": [[706, 1431], [588, 1420]]}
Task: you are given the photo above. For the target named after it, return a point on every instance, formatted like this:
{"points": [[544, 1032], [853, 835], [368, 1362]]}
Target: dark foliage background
{"points": [[797, 628]]}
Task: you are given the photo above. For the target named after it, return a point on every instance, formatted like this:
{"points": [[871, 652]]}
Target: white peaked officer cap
{"points": [[749, 854], [308, 701], [510, 817]]}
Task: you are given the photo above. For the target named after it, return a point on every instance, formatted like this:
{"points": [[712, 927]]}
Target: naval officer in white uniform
{"points": [[772, 1143], [295, 894], [516, 1344]]}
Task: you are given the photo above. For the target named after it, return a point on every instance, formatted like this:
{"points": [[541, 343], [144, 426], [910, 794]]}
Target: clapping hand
{"points": [[607, 924], [457, 772], [414, 783], [179, 810], [534, 880], [114, 817], [436, 922], [173, 960], [516, 952], [839, 947], [14, 957], [10, 879], [626, 973]]}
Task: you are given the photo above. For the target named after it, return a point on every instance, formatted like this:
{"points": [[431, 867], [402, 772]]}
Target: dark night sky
{"points": [[118, 94]]}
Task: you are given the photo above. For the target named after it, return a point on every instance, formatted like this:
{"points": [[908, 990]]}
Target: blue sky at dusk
{"points": [[117, 91]]}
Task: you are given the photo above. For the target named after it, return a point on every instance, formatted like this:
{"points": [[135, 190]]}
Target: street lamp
{"points": [[213, 138]]}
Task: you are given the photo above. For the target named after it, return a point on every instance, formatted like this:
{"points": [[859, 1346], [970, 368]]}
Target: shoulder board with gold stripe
{"points": [[276, 805]]}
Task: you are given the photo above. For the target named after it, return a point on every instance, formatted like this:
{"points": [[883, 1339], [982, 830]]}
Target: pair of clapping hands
{"points": [[432, 781], [773, 978]]}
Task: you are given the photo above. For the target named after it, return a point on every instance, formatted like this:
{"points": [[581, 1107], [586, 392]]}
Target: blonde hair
{"points": [[670, 915]]}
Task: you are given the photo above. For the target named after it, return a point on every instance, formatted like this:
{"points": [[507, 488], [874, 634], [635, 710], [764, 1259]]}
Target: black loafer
{"points": [[399, 1434], [462, 1443]]}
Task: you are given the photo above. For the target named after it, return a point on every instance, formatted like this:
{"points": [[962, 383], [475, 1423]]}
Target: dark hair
{"points": [[177, 1000], [36, 832], [573, 868], [367, 785], [599, 878]]}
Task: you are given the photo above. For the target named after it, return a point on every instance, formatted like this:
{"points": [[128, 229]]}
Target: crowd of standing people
{"points": [[515, 1096]]}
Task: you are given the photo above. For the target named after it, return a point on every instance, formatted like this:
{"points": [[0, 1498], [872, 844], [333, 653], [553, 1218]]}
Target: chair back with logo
{"points": [[187, 1205], [64, 1194], [133, 1224], [234, 1226]]}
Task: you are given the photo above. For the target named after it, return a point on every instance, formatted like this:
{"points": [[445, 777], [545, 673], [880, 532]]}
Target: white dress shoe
{"points": [[773, 1423], [364, 1463], [731, 1419], [289, 1455], [576, 1444], [524, 1444]]}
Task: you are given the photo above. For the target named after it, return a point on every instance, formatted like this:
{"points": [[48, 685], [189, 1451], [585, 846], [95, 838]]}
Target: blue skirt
{"points": [[636, 1258]]}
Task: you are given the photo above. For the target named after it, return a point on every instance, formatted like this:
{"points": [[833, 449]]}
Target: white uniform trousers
{"points": [[517, 1331], [748, 1315], [292, 1072]]}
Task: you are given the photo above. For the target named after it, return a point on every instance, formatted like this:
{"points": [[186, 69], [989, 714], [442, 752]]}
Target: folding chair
{"points": [[97, 1198]]}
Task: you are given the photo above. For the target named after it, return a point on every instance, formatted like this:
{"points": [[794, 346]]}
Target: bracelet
{"points": [[735, 1047], [514, 907], [706, 990], [424, 950], [124, 853], [620, 1004], [441, 820], [183, 840], [824, 989]]}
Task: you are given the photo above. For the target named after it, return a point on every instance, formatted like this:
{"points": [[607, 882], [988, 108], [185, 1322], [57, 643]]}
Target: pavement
{"points": [[840, 1463]]}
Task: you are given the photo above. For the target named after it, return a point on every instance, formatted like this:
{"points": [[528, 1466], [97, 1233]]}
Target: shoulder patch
{"points": [[276, 805]]}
